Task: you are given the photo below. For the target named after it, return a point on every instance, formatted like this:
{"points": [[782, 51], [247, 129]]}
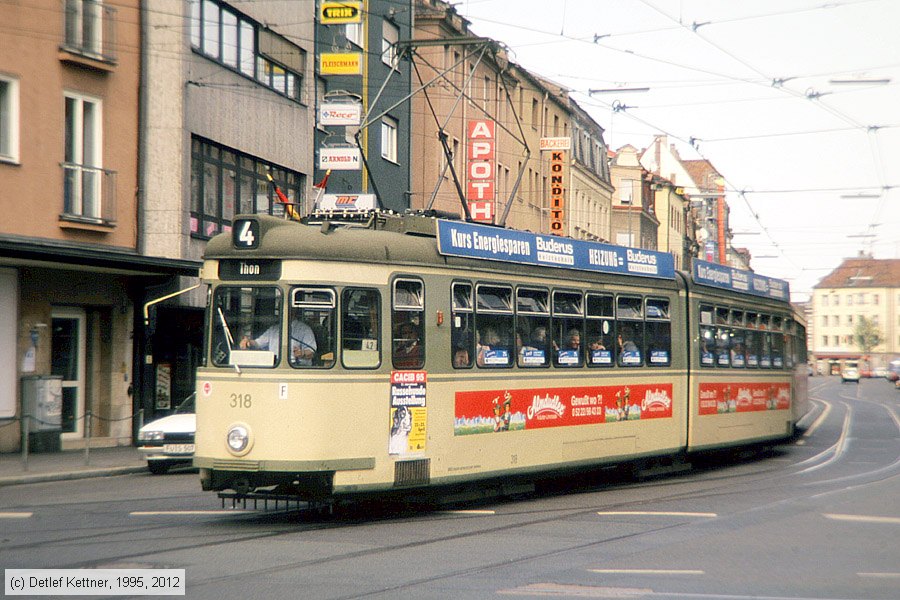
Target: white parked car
{"points": [[850, 374], [169, 441]]}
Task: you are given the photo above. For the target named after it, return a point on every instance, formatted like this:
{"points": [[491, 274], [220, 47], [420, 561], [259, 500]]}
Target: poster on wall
{"points": [[408, 412], [163, 386]]}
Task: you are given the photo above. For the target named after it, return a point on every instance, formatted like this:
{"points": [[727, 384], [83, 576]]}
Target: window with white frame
{"points": [[626, 191], [9, 119], [390, 36], [389, 138], [354, 33], [83, 158], [84, 26]]}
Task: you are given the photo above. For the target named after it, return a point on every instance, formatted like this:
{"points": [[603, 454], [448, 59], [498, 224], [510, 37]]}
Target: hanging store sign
{"points": [[556, 143], [340, 13], [347, 202], [340, 63], [340, 159], [481, 146], [557, 192], [332, 113]]}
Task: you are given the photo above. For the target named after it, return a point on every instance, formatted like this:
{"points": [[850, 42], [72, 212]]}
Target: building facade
{"points": [[227, 102], [859, 287], [374, 89], [634, 221], [73, 263]]}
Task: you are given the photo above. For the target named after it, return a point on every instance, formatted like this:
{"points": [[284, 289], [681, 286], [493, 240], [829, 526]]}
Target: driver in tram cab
{"points": [[303, 342]]}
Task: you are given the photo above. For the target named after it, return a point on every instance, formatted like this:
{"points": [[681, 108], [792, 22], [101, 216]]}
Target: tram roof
{"points": [[391, 238], [385, 237]]}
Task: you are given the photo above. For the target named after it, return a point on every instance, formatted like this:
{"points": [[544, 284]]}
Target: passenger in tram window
{"points": [[490, 349], [569, 355], [407, 348], [461, 358]]}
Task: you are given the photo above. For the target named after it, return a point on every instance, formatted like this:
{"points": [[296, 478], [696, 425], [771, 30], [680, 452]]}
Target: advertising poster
{"points": [[723, 398], [163, 386], [408, 412], [493, 411]]}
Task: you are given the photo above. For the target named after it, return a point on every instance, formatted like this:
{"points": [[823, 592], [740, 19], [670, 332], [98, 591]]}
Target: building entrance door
{"points": [[67, 350]]}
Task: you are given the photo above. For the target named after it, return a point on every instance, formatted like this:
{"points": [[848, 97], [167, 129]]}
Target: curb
{"points": [[26, 477]]}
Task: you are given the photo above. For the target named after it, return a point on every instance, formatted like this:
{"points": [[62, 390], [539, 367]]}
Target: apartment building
{"points": [[73, 259], [634, 222], [859, 287]]}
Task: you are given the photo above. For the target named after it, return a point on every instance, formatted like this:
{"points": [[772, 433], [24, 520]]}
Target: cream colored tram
{"points": [[402, 352]]}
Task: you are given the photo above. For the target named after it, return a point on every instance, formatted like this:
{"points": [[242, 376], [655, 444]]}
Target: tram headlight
{"points": [[238, 439]]}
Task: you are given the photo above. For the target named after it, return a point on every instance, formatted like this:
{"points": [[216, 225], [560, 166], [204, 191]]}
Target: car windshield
{"points": [[186, 406]]}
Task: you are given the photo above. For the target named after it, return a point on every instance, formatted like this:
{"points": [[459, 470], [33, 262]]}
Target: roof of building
{"points": [[863, 272]]}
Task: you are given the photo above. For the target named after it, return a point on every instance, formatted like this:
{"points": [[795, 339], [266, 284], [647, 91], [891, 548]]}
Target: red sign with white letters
{"points": [[722, 398], [480, 169]]}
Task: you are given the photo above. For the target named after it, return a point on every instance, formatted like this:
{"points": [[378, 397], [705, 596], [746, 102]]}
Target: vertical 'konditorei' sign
{"points": [[557, 192]]}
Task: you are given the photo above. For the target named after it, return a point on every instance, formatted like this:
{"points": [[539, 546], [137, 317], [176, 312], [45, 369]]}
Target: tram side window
{"points": [[723, 338], [777, 343], [568, 323], [629, 332], [789, 351], [246, 327], [659, 332], [598, 329], [407, 323], [462, 334], [752, 339], [311, 329], [360, 328], [707, 337], [765, 335], [532, 325], [494, 321], [738, 343]]}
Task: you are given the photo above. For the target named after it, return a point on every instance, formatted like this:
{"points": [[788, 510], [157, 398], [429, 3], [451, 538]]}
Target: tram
{"points": [[379, 352]]}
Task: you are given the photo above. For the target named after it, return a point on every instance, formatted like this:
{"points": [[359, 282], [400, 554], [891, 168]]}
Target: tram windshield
{"points": [[246, 327]]}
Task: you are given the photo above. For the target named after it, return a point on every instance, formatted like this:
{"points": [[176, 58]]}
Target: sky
{"points": [[786, 98]]}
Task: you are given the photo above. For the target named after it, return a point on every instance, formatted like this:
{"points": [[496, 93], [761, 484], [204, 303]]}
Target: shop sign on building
{"points": [[481, 146], [340, 159], [344, 113], [340, 13], [340, 63]]}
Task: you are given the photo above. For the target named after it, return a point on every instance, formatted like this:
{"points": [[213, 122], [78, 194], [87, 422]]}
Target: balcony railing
{"points": [[89, 194], [90, 28]]}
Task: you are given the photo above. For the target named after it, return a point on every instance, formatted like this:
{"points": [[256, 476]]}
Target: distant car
{"points": [[880, 372], [169, 441], [850, 374]]}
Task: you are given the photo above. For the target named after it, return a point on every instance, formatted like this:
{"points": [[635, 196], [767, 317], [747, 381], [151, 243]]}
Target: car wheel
{"points": [[158, 467]]}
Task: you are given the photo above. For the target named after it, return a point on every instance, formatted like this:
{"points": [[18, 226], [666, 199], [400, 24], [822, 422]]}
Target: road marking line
{"points": [[862, 518], [145, 513], [467, 512], [880, 575], [626, 513], [15, 515], [649, 571]]}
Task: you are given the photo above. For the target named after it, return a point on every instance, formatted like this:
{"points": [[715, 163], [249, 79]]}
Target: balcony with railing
{"points": [[89, 196], [90, 33]]}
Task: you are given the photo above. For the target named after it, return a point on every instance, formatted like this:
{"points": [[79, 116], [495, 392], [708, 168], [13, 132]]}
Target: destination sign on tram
{"points": [[491, 243], [738, 280]]}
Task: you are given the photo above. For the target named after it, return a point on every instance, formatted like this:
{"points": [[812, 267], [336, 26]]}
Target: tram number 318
{"points": [[241, 401]]}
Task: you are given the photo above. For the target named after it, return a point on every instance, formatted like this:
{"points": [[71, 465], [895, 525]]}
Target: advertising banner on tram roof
{"points": [[493, 243], [737, 280]]}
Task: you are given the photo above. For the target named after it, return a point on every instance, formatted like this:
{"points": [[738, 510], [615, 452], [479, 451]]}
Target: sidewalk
{"points": [[71, 464]]}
